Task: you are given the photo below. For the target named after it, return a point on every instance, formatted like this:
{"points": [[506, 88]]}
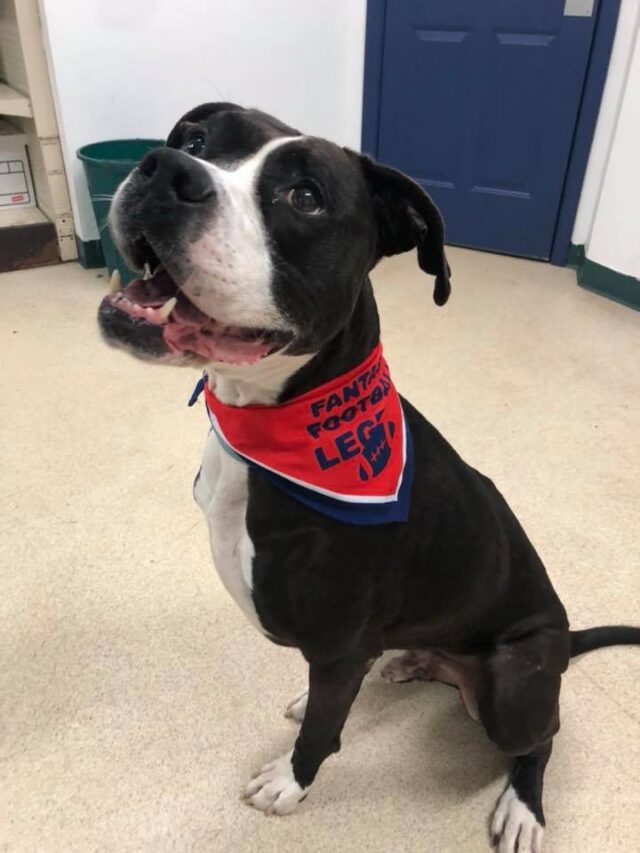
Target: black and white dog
{"points": [[260, 241]]}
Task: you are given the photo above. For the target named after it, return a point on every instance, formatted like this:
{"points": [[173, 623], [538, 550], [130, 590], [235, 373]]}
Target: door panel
{"points": [[479, 102]]}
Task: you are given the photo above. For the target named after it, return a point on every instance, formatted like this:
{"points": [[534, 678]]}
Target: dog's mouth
{"points": [[154, 309]]}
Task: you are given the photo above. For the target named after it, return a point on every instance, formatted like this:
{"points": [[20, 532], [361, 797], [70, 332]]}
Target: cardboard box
{"points": [[16, 183]]}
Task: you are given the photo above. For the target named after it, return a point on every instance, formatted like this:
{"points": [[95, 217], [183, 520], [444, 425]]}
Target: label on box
{"points": [[14, 186], [16, 183]]}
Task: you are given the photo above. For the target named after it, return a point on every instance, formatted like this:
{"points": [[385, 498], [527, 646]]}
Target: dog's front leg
{"points": [[282, 784]]}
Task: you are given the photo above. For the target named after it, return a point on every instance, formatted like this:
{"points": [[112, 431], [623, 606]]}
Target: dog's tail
{"points": [[605, 635]]}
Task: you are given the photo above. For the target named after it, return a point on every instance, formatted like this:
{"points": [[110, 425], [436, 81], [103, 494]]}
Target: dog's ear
{"points": [[407, 219], [198, 114]]}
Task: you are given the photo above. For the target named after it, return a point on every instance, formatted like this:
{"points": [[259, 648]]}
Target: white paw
{"points": [[274, 789], [296, 709], [514, 827]]}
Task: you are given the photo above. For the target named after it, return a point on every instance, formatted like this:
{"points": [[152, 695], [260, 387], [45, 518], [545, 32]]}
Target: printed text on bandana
{"points": [[351, 422]]}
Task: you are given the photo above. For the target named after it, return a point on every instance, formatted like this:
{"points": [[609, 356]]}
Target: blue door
{"points": [[478, 102]]}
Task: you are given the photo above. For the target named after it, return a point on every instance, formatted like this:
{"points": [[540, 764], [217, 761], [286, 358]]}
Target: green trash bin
{"points": [[106, 165]]}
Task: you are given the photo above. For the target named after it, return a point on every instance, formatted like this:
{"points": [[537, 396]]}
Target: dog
{"points": [[340, 520]]}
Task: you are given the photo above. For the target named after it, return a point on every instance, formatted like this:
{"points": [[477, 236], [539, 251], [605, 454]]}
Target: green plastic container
{"points": [[106, 165]]}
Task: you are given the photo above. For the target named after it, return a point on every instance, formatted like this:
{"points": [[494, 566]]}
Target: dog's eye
{"points": [[306, 199], [195, 144]]}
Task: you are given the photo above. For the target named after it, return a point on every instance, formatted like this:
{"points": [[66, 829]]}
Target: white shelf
{"points": [[13, 103], [26, 97], [10, 216]]}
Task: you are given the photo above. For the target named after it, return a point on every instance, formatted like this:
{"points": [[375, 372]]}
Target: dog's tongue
{"points": [[212, 342], [187, 329]]}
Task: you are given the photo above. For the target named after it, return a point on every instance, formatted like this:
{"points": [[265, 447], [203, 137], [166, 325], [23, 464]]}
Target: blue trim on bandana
{"points": [[347, 511]]}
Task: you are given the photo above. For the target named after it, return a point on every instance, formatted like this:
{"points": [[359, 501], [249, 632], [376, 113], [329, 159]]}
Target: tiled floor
{"points": [[135, 698]]}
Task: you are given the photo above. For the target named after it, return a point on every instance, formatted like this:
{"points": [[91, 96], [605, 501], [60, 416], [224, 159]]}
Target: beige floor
{"points": [[136, 700]]}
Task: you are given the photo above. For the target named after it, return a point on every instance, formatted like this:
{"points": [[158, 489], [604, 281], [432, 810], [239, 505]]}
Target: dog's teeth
{"points": [[114, 283], [163, 312], [147, 272]]}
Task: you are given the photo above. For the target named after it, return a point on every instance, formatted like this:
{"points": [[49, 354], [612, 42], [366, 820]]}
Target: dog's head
{"points": [[258, 239]]}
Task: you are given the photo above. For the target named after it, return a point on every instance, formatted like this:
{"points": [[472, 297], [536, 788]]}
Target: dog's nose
{"points": [[173, 174]]}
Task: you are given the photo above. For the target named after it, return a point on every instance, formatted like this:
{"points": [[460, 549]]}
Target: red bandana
{"points": [[342, 448]]}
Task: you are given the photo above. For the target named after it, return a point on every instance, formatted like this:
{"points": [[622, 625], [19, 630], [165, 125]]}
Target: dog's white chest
{"points": [[222, 491]]}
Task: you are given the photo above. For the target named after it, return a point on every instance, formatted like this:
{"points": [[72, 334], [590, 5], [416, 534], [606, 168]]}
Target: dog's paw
{"points": [[514, 827], [410, 666], [274, 789], [296, 709], [395, 671]]}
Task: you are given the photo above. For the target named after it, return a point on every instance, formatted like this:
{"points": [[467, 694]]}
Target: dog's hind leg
{"points": [[517, 824], [420, 665], [518, 694]]}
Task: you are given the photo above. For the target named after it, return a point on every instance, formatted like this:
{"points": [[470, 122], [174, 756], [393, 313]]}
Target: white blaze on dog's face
{"points": [[259, 240], [230, 265]]}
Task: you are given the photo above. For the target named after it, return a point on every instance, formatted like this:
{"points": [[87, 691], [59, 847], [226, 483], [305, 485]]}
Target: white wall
{"points": [[607, 219], [122, 68], [626, 35], [614, 240]]}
